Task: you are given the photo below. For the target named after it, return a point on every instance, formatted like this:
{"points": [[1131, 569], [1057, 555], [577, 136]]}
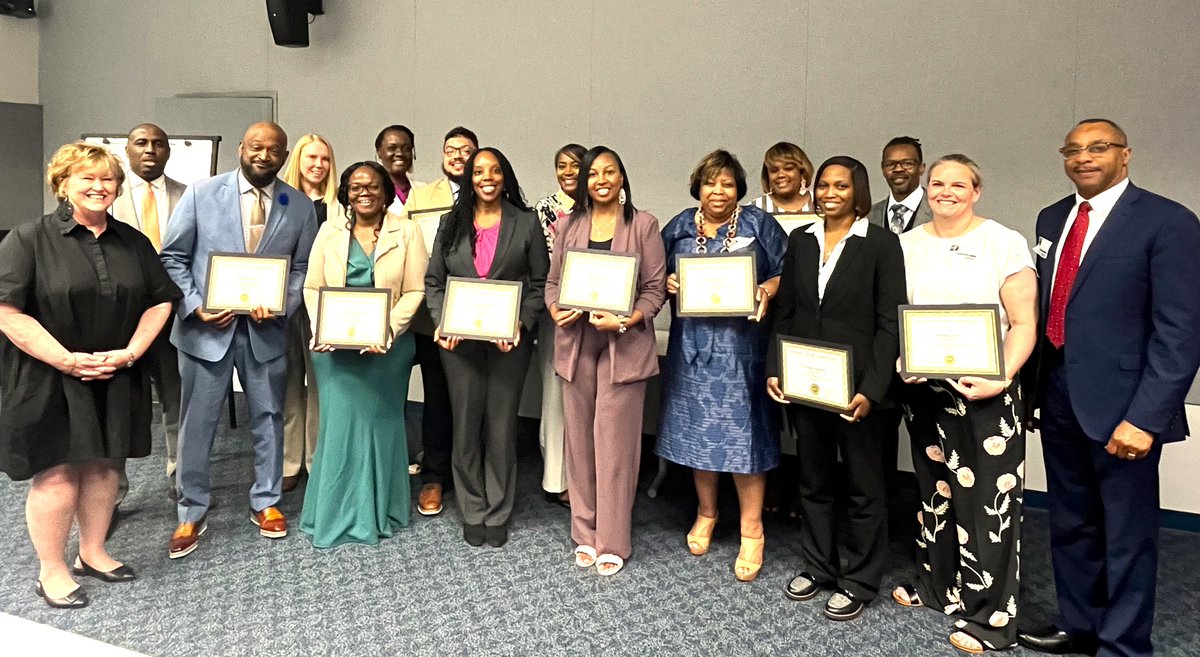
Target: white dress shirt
{"points": [[825, 269], [1102, 205], [246, 196], [910, 203], [137, 187], [454, 187]]}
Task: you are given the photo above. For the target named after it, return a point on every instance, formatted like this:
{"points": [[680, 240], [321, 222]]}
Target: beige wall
{"points": [[19, 68]]}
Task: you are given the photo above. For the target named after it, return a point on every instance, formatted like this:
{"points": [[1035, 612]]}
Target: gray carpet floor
{"points": [[426, 592]]}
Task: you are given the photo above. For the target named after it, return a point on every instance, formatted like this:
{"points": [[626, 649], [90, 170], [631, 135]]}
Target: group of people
{"points": [[1100, 325]]}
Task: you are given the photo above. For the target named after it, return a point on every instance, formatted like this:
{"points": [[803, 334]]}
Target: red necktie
{"points": [[1064, 278]]}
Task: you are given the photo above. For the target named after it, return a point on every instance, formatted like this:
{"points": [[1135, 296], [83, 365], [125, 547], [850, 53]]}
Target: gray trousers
{"points": [[485, 396], [162, 362], [205, 386], [300, 418], [550, 434]]}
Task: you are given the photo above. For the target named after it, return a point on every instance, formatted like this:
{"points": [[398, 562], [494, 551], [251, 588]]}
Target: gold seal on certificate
{"points": [[716, 284], [242, 282], [353, 317], [478, 309], [598, 280], [818, 374], [428, 221], [792, 220], [948, 342]]}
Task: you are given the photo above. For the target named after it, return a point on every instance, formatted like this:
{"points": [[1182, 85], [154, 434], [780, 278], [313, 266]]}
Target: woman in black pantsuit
{"points": [[490, 233], [842, 281]]}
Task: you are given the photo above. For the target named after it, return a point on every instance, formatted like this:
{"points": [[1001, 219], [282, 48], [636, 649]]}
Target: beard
{"points": [[255, 178]]}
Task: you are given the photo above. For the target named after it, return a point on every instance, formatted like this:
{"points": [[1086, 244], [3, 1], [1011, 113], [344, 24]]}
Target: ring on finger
{"points": [[1130, 456]]}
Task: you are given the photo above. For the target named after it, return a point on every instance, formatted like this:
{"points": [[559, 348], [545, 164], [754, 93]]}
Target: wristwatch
{"points": [[623, 327]]}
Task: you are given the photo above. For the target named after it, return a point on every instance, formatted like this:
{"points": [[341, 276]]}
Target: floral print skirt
{"points": [[969, 458]]}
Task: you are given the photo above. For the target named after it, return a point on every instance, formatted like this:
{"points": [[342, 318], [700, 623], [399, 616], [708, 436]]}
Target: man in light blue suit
{"points": [[247, 211]]}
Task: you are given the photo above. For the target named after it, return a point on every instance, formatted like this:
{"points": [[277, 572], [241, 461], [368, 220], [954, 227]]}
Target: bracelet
{"points": [[765, 292], [623, 327], [132, 358]]}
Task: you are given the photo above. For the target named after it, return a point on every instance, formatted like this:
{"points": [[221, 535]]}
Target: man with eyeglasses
{"points": [[907, 206], [1119, 347], [426, 206]]}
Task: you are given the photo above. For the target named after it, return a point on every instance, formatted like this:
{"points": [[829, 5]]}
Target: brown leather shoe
{"points": [[290, 482], [429, 502], [187, 537], [270, 522]]}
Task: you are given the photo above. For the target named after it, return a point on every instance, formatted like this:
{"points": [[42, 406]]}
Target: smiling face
{"points": [[786, 178], [455, 153], [91, 188], [262, 152], [566, 169], [835, 192], [902, 168], [604, 180], [148, 151], [487, 178], [365, 191], [314, 163], [952, 191], [395, 153], [718, 195], [1094, 173]]}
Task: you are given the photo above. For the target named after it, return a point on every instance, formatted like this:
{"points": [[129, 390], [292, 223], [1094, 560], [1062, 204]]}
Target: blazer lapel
{"points": [[275, 217], [387, 236], [809, 257], [1108, 235], [845, 263], [508, 219], [229, 198]]}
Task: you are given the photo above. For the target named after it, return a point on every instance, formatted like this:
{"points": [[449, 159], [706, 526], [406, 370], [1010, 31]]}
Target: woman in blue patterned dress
{"points": [[716, 416]]}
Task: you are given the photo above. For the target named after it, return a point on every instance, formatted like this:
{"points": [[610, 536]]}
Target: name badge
{"points": [[959, 251], [740, 243], [1043, 247]]}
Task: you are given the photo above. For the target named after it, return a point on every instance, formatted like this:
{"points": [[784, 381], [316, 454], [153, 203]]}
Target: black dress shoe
{"points": [[1058, 642], [119, 574], [802, 587], [843, 606], [77, 599], [496, 536], [474, 535]]}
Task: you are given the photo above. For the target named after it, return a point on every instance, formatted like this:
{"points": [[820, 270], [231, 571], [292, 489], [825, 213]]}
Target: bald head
{"points": [[148, 150], [262, 152]]}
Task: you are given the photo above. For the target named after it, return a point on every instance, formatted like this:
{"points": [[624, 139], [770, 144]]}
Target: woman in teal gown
{"points": [[358, 490]]}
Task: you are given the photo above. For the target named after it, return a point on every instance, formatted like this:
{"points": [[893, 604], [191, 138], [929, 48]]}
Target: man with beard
{"points": [[146, 200], [244, 211], [426, 206]]}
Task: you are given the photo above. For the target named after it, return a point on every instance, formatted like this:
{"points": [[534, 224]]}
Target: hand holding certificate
{"points": [[477, 309], [817, 374], [354, 318], [717, 285], [598, 280], [241, 282], [948, 342]]}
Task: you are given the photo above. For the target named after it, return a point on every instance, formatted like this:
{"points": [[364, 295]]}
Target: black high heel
{"points": [[119, 574], [77, 599]]}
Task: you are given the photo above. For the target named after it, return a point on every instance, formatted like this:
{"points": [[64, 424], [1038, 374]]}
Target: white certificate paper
{"points": [[242, 282], [353, 318], [478, 309], [716, 285], [947, 342], [816, 373], [598, 280]]}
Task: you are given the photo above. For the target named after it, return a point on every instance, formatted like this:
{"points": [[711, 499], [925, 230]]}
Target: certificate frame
{"points": [[686, 261], [795, 392], [577, 256], [429, 221], [455, 286], [327, 313], [791, 221], [281, 269], [909, 314]]}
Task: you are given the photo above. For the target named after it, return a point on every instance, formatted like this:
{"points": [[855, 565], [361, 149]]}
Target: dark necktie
{"points": [[1064, 277], [896, 221]]}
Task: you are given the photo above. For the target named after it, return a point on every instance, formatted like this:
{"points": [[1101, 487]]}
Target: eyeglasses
{"points": [[373, 188], [1098, 148], [907, 165], [464, 151]]}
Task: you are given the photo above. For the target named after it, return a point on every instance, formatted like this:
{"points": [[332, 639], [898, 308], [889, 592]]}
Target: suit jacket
{"points": [[859, 308], [520, 256], [1132, 343], [400, 262], [124, 210], [436, 196], [209, 218], [880, 211], [633, 355]]}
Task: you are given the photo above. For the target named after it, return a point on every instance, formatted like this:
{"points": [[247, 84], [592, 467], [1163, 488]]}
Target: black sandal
{"points": [[910, 599]]}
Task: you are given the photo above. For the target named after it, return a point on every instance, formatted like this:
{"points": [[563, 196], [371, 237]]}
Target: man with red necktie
{"points": [[1120, 310]]}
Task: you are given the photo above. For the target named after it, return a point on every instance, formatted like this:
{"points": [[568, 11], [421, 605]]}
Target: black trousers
{"points": [[820, 436], [437, 425]]}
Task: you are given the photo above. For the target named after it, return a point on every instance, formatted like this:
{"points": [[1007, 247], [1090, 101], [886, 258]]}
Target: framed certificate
{"points": [[793, 220], [947, 342], [242, 282], [716, 284], [353, 317], [599, 280], [478, 309], [818, 374], [429, 221]]}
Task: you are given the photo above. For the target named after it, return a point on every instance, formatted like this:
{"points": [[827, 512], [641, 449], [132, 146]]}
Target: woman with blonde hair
{"points": [[310, 170], [82, 297]]}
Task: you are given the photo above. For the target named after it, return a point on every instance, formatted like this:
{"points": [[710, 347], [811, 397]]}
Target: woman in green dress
{"points": [[358, 490]]}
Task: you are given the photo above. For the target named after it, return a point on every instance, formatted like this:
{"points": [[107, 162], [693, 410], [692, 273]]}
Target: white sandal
{"points": [[585, 556], [612, 560]]}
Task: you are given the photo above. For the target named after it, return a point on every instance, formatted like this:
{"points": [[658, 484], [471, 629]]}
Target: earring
{"points": [[621, 197]]}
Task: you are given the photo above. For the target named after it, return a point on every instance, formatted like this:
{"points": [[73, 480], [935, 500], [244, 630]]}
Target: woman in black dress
{"points": [[82, 297]]}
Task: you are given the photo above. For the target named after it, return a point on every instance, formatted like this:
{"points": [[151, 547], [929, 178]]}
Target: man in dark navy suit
{"points": [[1119, 348]]}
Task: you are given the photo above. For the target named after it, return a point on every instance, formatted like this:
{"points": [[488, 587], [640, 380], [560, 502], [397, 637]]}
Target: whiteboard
{"points": [[192, 157]]}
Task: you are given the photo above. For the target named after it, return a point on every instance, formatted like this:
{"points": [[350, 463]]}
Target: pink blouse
{"points": [[485, 248]]}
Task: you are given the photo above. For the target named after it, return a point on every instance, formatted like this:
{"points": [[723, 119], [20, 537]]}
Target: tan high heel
{"points": [[745, 569], [698, 543]]}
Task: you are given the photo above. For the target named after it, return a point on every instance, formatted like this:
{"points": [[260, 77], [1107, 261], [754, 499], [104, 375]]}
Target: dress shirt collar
{"points": [[857, 229], [454, 187], [1103, 202], [159, 183], [912, 201], [244, 186]]}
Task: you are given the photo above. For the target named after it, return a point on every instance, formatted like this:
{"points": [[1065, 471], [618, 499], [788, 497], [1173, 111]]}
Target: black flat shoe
{"points": [[473, 535], [843, 606], [802, 587], [119, 574], [496, 536], [1057, 642], [77, 599]]}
